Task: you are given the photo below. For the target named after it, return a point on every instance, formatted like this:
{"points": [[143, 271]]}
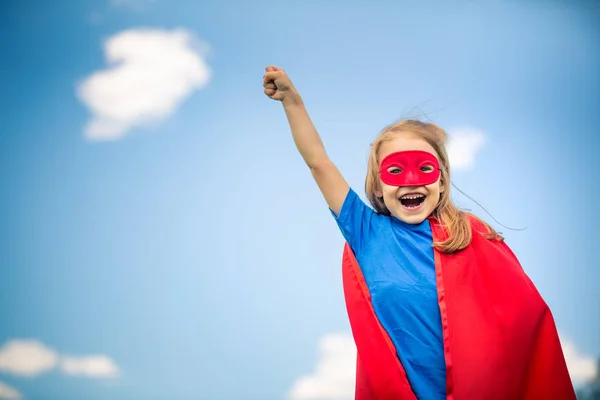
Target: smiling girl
{"points": [[439, 306]]}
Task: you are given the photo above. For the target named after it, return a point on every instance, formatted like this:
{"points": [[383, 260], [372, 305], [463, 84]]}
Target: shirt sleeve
{"points": [[356, 221]]}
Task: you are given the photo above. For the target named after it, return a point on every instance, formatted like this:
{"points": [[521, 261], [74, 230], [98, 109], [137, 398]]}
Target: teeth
{"points": [[412, 196]]}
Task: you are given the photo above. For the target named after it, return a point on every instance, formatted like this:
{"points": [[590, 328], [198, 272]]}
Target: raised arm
{"points": [[332, 184]]}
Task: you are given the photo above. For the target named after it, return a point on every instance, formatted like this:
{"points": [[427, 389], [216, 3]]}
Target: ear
{"points": [[378, 193]]}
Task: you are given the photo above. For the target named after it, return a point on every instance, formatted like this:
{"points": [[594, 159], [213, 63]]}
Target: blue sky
{"points": [[195, 254]]}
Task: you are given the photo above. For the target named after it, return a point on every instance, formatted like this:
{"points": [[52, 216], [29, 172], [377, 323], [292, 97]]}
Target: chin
{"points": [[413, 219]]}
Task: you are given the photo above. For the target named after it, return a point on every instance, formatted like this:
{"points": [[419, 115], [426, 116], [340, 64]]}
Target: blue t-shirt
{"points": [[397, 262]]}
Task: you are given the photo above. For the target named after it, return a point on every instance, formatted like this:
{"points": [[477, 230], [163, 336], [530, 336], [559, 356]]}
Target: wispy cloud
{"points": [[334, 375], [151, 73], [463, 146], [98, 366], [27, 358], [30, 358], [136, 5], [582, 368], [9, 393]]}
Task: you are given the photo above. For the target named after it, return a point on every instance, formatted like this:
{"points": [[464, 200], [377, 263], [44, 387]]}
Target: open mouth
{"points": [[412, 201]]}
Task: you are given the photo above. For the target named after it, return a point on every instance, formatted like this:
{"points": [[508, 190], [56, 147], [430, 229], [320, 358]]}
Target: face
{"points": [[417, 168]]}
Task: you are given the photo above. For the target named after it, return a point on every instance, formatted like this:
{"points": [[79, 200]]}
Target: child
{"points": [[438, 304]]}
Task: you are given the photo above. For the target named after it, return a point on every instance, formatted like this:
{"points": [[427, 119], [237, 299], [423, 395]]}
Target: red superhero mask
{"points": [[410, 168]]}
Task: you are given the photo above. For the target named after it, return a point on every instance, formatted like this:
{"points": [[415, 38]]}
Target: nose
{"points": [[411, 176]]}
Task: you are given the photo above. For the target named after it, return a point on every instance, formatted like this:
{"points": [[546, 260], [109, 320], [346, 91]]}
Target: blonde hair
{"points": [[455, 221]]}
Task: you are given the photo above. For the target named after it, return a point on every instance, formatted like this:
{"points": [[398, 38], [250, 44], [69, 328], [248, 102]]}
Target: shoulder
{"points": [[476, 223], [461, 231], [353, 204], [481, 227]]}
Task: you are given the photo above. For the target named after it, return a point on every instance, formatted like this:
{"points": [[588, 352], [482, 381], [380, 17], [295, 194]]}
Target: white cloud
{"points": [[27, 357], [8, 393], [134, 5], [334, 376], [582, 368], [130, 2], [463, 145], [98, 366], [31, 358], [151, 73]]}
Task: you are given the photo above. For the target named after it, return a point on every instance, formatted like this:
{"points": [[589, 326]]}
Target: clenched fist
{"points": [[278, 85]]}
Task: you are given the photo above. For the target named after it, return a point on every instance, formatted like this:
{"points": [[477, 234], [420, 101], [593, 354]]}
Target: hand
{"points": [[278, 85]]}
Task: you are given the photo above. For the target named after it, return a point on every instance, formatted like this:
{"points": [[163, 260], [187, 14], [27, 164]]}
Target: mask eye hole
{"points": [[394, 170], [427, 168]]}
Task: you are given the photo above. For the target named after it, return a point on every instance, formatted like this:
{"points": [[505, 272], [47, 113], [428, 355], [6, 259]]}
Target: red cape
{"points": [[500, 340]]}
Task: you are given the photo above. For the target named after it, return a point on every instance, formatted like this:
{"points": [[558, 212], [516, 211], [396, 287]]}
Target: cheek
{"points": [[435, 188], [388, 190], [435, 194]]}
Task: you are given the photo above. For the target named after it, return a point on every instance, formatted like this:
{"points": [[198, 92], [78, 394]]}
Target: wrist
{"points": [[292, 99]]}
